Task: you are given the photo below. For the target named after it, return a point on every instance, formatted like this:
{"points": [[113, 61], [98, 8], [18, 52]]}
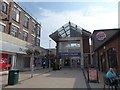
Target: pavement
{"points": [[3, 73], [65, 78], [47, 78]]}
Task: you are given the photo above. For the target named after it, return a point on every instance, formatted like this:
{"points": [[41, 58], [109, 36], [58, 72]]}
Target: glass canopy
{"points": [[69, 30]]}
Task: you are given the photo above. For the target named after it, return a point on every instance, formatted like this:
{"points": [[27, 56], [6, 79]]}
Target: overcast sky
{"points": [[97, 14]]}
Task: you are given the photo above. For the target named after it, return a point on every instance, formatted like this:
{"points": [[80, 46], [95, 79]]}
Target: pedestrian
{"points": [[111, 75]]}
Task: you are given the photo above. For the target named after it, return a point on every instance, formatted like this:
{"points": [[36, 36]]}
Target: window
{"points": [[38, 42], [25, 36], [38, 32], [14, 31], [2, 28], [16, 15], [112, 57], [4, 7], [69, 46], [33, 29], [33, 40], [26, 22]]}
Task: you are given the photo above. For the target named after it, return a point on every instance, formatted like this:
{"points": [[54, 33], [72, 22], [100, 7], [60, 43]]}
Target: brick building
{"points": [[18, 31], [106, 49]]}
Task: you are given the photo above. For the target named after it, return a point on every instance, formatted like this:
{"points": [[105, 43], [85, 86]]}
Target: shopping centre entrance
{"points": [[72, 44], [73, 62]]}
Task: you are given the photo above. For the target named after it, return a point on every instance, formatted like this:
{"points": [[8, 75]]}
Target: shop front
{"points": [[106, 49], [5, 62]]}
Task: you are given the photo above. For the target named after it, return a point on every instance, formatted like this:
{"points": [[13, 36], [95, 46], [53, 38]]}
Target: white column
{"points": [[13, 62], [82, 57]]}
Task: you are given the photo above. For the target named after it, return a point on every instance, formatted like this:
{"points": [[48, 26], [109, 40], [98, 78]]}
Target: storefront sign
{"points": [[100, 36], [21, 49], [69, 53], [4, 62]]}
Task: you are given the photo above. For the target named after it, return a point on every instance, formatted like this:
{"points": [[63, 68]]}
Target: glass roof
{"points": [[67, 30]]}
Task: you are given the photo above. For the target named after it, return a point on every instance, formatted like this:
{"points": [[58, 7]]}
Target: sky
{"points": [[88, 14]]}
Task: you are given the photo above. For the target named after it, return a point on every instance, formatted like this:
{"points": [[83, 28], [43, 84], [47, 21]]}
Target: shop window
{"points": [[16, 15], [14, 31], [2, 28], [4, 7], [112, 57]]}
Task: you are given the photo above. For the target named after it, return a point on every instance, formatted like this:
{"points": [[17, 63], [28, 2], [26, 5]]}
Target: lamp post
{"points": [[49, 54], [33, 51], [31, 62]]}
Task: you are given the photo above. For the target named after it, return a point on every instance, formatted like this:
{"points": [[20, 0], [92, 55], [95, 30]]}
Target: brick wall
{"points": [[113, 43]]}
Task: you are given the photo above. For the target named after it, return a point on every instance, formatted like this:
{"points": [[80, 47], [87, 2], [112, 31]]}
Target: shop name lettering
{"points": [[22, 50], [69, 53]]}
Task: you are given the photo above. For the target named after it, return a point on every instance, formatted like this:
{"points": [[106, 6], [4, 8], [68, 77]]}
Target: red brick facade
{"points": [[101, 54], [9, 21]]}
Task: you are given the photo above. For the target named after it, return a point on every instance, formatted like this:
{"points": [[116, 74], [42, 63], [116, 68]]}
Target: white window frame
{"points": [[16, 16], [25, 36], [5, 8], [15, 31], [3, 29]]}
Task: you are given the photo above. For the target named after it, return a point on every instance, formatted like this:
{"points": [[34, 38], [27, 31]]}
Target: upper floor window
{"points": [[16, 15], [112, 57], [38, 42], [14, 31], [25, 36], [26, 22], [2, 28], [4, 7], [38, 32], [33, 29], [33, 40]]}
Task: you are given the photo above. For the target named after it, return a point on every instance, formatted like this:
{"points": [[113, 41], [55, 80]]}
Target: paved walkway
{"points": [[22, 76], [65, 78]]}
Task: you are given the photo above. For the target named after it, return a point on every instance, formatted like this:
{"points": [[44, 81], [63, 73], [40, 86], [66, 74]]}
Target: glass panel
{"points": [[61, 32], [14, 31], [25, 36], [26, 22], [4, 7], [63, 35], [70, 46], [16, 15], [68, 32], [67, 28], [112, 58], [2, 28]]}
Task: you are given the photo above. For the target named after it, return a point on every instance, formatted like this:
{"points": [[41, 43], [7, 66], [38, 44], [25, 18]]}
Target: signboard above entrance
{"points": [[69, 53]]}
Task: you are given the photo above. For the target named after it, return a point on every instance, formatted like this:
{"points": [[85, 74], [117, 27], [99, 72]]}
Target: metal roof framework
{"points": [[69, 30]]}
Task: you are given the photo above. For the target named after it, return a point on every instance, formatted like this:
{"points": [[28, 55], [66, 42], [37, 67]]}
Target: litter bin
{"points": [[13, 77]]}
